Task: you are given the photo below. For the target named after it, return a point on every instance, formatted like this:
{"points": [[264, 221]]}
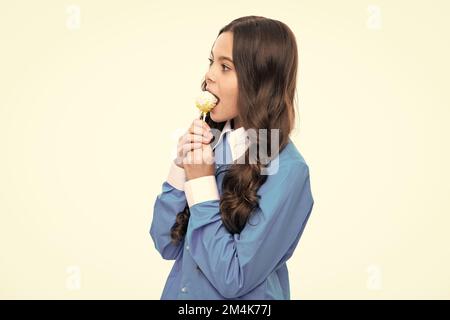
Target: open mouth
{"points": [[218, 99]]}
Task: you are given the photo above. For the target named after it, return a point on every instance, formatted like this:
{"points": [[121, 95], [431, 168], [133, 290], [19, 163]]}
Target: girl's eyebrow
{"points": [[223, 58]]}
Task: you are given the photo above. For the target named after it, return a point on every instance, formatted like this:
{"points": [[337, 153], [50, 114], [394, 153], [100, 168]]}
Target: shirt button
{"points": [[187, 247], [184, 289]]}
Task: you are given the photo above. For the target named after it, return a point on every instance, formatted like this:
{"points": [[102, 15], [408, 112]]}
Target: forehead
{"points": [[223, 44]]}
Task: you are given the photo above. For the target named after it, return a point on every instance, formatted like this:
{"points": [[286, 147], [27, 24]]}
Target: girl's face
{"points": [[221, 79]]}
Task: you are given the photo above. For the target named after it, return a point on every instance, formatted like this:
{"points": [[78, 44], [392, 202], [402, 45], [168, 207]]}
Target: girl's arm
{"points": [[169, 202], [236, 264]]}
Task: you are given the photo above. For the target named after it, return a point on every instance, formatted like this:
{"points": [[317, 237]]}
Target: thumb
{"points": [[208, 155]]}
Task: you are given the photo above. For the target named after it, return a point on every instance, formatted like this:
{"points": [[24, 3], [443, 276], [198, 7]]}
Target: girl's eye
{"points": [[223, 65]]}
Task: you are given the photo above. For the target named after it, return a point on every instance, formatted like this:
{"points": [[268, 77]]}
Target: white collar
{"points": [[237, 139]]}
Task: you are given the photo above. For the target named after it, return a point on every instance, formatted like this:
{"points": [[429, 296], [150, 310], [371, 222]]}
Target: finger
{"points": [[186, 141], [197, 155], [194, 156], [199, 138], [201, 123], [195, 129], [185, 148], [199, 127], [191, 138], [208, 156], [189, 158]]}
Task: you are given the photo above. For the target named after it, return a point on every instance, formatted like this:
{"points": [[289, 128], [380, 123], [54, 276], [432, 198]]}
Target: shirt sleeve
{"points": [[176, 176], [235, 264], [168, 204]]}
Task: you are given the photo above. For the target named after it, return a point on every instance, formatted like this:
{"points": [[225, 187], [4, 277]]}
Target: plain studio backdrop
{"points": [[94, 94]]}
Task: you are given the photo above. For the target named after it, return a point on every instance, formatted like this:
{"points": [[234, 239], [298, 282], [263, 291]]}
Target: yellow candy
{"points": [[205, 102], [206, 107]]}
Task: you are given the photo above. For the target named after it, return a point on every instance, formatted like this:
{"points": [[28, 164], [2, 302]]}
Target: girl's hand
{"points": [[197, 135], [199, 162]]}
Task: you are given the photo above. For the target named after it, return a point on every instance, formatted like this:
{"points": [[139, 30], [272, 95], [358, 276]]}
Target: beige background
{"points": [[91, 104]]}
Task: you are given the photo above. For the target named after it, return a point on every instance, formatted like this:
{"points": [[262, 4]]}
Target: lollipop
{"points": [[205, 102]]}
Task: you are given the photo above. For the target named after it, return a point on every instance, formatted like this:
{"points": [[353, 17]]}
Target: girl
{"points": [[231, 223]]}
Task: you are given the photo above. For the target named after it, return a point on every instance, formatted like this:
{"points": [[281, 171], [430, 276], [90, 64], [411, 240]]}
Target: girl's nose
{"points": [[209, 77]]}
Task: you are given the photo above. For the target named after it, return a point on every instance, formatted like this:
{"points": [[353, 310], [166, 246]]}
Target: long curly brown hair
{"points": [[265, 58]]}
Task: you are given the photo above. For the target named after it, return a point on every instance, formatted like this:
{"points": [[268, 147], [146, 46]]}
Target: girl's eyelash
{"points": [[211, 61]]}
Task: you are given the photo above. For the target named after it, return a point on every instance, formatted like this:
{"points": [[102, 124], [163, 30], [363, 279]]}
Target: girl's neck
{"points": [[235, 124]]}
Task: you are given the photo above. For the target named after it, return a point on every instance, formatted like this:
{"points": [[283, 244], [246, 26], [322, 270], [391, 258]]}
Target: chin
{"points": [[214, 117]]}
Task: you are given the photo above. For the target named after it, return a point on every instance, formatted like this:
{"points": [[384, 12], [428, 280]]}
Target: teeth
{"points": [[218, 99], [213, 94]]}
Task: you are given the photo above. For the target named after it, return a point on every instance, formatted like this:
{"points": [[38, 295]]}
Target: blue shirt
{"points": [[210, 262]]}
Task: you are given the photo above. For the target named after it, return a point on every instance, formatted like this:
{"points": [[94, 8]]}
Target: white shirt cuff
{"points": [[201, 189], [176, 177]]}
